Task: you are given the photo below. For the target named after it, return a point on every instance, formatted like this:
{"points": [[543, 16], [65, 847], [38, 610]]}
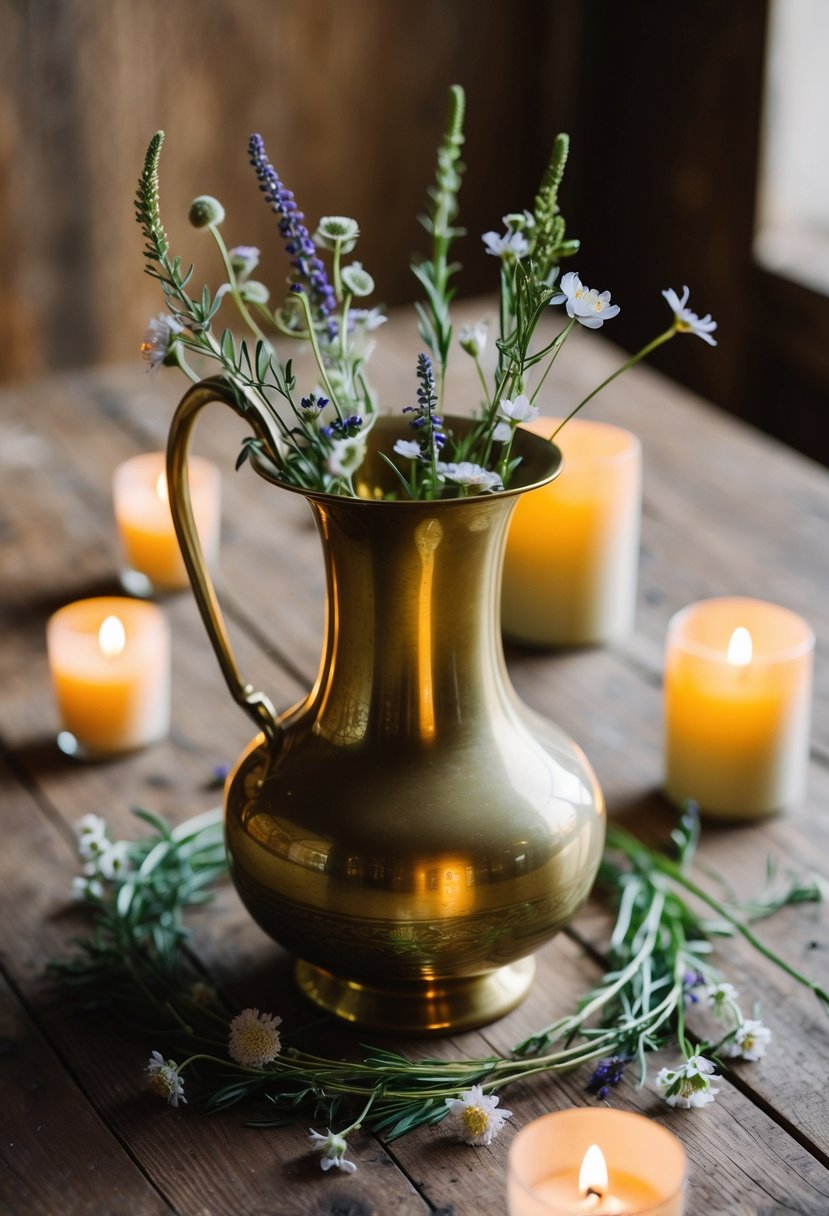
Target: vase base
{"points": [[438, 1006]]}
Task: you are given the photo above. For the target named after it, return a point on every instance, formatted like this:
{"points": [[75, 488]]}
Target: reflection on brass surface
{"points": [[410, 831]]}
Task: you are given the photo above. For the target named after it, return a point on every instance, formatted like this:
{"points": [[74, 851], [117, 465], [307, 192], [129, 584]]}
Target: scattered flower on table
{"points": [[692, 982], [689, 1085], [91, 831], [164, 1079], [607, 1074], [86, 888], [687, 322], [115, 860], [749, 1042], [333, 1149], [478, 1115], [720, 999], [254, 1038]]}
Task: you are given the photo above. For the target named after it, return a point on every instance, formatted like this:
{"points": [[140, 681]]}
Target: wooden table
{"points": [[726, 512]]}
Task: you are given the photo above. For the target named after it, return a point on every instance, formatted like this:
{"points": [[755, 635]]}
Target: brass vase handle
{"points": [[255, 703]]}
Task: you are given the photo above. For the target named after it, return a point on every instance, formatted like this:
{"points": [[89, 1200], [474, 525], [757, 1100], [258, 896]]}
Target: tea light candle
{"points": [[738, 691], [145, 523], [110, 664], [603, 1162], [572, 554]]}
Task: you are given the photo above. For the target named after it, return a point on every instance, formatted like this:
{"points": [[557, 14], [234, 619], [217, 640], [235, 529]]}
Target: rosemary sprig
{"points": [[136, 964]]}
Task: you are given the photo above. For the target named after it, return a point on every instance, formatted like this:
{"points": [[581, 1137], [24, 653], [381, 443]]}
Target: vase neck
{"points": [[413, 647]]}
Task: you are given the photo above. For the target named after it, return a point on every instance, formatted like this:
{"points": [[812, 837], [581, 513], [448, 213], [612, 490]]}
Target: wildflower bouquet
{"points": [[660, 972], [319, 430]]}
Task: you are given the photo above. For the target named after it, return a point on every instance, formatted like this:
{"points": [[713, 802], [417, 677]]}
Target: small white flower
{"points": [[589, 307], [334, 230], [358, 281], [160, 335], [473, 339], [254, 1038], [688, 1085], [749, 1043], [333, 1149], [87, 889], [519, 410], [718, 998], [164, 1079], [114, 861], [478, 1115], [465, 473], [409, 448], [501, 432], [517, 221], [369, 318], [244, 259], [254, 292], [688, 322], [346, 455], [510, 245], [91, 831]]}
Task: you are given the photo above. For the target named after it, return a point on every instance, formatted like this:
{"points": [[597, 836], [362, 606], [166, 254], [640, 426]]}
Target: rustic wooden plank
{"points": [[57, 1154]]}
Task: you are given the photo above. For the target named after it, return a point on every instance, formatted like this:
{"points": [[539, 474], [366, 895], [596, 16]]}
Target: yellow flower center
{"points": [[159, 1083], [475, 1120], [256, 1042]]}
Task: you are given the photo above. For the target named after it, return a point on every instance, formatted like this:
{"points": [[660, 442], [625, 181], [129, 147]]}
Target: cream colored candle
{"points": [[153, 561], [738, 693], [110, 664], [597, 1161], [572, 554]]}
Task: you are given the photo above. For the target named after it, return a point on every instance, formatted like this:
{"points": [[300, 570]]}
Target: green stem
{"points": [[631, 362], [234, 288]]}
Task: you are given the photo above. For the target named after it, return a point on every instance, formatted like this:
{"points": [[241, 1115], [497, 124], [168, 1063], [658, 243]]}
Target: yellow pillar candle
{"points": [[572, 554], [110, 663], [598, 1161], [153, 561], [738, 691]]}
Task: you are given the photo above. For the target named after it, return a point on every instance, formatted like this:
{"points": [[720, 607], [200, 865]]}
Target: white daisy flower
{"points": [[519, 410], [478, 1114], [689, 1085], [254, 1039], [589, 307], [688, 322], [749, 1043], [114, 861], [85, 889], [718, 998], [346, 455], [509, 246], [409, 448], [91, 831], [164, 1079], [334, 230], [333, 1149], [465, 473], [358, 281], [161, 332]]}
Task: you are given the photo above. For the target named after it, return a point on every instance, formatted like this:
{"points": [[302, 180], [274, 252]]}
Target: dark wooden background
{"points": [[663, 103]]}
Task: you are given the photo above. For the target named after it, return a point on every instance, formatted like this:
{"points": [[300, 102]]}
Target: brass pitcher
{"points": [[410, 830]]}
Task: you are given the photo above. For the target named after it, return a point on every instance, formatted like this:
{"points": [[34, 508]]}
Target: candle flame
{"points": [[161, 487], [593, 1172], [740, 648], [112, 637]]}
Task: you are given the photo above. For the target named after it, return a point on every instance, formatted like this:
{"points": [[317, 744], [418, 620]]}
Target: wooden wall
{"points": [[349, 95]]}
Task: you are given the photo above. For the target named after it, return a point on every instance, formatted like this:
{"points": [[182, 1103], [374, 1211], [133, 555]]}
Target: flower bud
{"points": [[244, 259], [337, 230], [254, 292], [205, 210]]}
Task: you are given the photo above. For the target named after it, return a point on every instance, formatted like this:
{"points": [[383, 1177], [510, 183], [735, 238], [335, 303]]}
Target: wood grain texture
{"points": [[762, 1148]]}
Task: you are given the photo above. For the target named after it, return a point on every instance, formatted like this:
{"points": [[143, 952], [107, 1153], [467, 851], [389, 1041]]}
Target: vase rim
{"points": [[544, 459]]}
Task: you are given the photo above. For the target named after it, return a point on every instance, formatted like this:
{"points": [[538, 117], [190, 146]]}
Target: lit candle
{"points": [[602, 1162], [110, 665], [153, 561], [738, 691], [572, 554]]}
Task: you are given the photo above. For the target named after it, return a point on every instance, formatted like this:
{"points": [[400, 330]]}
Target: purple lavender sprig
{"points": [[309, 271], [606, 1074], [426, 423]]}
